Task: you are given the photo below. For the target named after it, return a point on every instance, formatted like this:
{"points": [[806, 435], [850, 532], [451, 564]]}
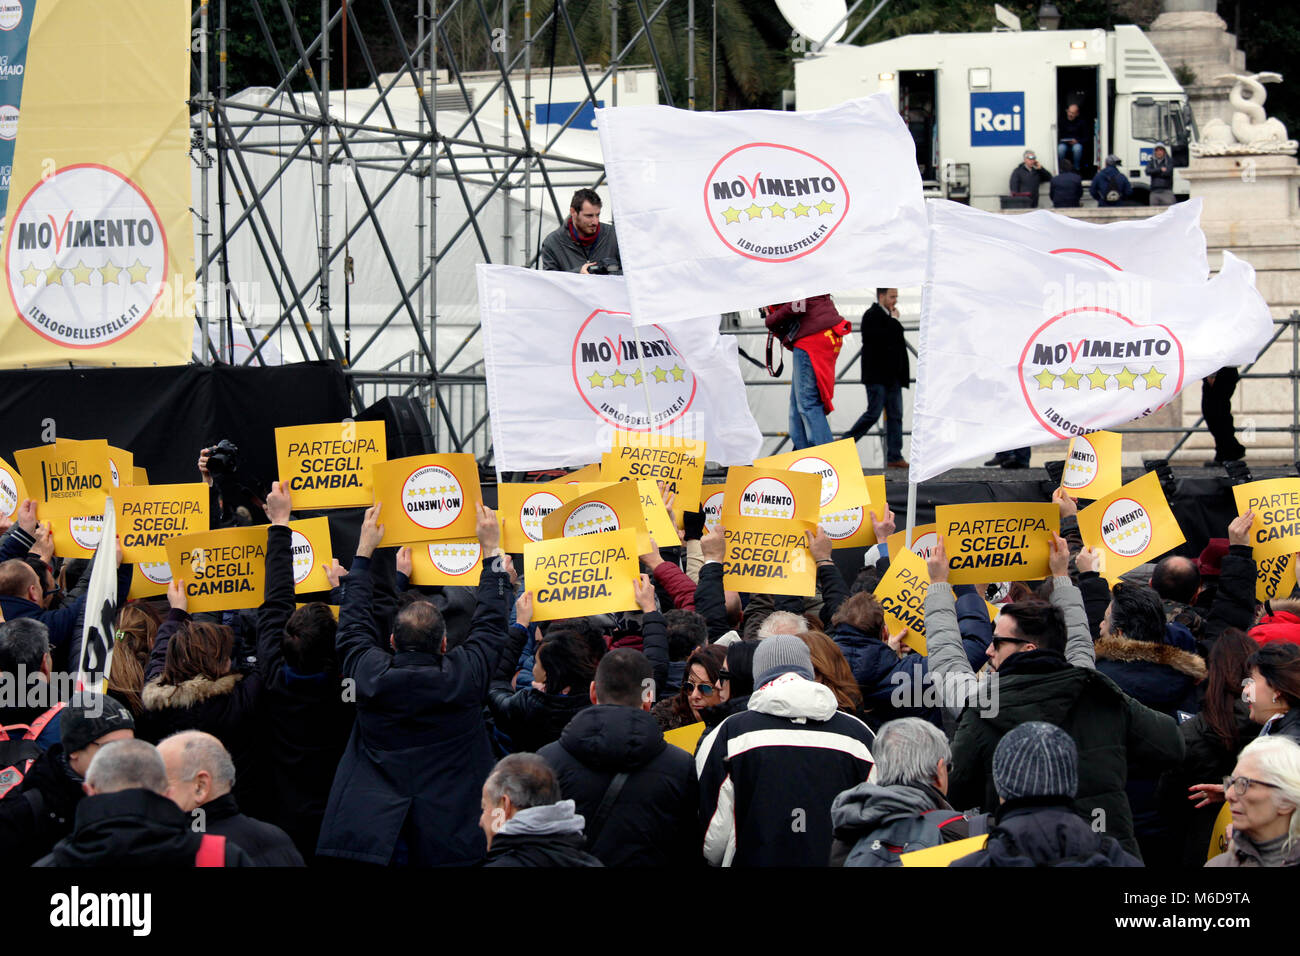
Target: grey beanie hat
{"points": [[90, 716], [781, 654], [1036, 759]]}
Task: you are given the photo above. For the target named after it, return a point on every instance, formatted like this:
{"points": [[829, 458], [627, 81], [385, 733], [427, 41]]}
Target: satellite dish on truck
{"points": [[815, 18], [1006, 18]]}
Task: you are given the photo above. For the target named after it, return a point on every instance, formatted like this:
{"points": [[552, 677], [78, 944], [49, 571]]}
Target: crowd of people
{"points": [[1086, 723]]}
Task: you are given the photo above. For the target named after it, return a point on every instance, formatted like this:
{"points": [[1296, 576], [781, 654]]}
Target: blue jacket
{"points": [[1107, 180]]}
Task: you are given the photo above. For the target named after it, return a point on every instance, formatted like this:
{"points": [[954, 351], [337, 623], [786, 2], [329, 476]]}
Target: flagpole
{"points": [[645, 380], [911, 513]]}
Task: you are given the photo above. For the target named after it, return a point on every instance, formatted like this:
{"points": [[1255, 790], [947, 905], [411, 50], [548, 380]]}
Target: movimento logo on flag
{"points": [[605, 347]]}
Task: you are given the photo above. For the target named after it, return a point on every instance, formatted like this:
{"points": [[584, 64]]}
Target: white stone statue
{"points": [[1251, 130]]}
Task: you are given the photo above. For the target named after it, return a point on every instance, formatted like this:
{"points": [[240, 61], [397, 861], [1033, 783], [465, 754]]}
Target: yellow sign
{"points": [[311, 549], [329, 465], [686, 738], [677, 462], [67, 477], [141, 476], [147, 515], [98, 237], [901, 592], [944, 853], [605, 508], [521, 507], [585, 473], [222, 570], [149, 579], [76, 536], [924, 538], [446, 562], [1092, 465], [581, 575], [853, 528], [1270, 573], [1219, 835], [997, 542], [1276, 503], [838, 466], [1130, 526], [427, 498], [12, 490], [658, 525], [771, 493], [711, 498], [768, 557], [121, 467]]}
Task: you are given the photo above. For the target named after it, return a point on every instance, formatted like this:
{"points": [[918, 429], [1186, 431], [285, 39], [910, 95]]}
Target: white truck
{"points": [[974, 102]]}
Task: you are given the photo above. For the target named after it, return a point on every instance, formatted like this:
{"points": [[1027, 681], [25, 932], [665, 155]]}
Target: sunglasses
{"points": [[1242, 784], [999, 641], [706, 690]]}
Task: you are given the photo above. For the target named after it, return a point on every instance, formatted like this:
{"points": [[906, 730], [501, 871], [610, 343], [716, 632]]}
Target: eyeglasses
{"points": [[1242, 784], [999, 641], [706, 690]]}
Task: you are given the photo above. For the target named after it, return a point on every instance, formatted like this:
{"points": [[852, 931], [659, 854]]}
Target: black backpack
{"points": [[917, 832], [18, 753]]}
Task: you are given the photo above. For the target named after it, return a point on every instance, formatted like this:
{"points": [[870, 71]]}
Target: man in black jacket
{"points": [[1027, 177], [637, 793], [525, 821], [1067, 187], [885, 373], [200, 775], [307, 718], [126, 821], [408, 786]]}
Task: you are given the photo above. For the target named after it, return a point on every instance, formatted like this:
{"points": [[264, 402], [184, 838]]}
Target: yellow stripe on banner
{"points": [[98, 237]]}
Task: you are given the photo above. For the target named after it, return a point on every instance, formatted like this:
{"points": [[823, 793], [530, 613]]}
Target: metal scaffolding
{"points": [[451, 158]]}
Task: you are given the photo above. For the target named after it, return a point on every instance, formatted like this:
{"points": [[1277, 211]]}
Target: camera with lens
{"points": [[223, 458], [605, 267]]}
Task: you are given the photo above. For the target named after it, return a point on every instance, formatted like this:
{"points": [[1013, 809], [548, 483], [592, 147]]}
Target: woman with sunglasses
{"points": [[1264, 794], [699, 692]]}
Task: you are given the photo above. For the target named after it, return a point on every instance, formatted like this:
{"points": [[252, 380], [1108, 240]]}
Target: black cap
{"points": [[89, 717]]}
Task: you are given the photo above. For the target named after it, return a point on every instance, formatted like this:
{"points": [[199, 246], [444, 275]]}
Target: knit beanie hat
{"points": [[781, 654], [1036, 759]]}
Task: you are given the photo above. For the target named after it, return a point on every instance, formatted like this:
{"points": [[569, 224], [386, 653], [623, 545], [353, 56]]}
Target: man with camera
{"points": [[583, 243]]}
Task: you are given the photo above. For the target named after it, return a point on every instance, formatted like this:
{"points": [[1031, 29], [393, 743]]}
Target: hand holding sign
{"points": [[885, 525], [279, 504], [372, 532], [1058, 557], [714, 544], [1069, 507], [488, 529], [334, 572], [43, 544], [1239, 528], [524, 609], [27, 516], [937, 562], [404, 561], [176, 598], [1089, 559], [645, 594], [895, 642], [652, 558], [820, 544]]}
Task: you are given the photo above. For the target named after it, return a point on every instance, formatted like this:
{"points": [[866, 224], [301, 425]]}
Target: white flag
{"points": [[1019, 346], [1169, 246], [100, 626], [566, 369], [718, 212]]}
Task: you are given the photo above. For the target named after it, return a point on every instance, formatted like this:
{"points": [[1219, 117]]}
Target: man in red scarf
{"points": [[583, 240], [816, 343]]}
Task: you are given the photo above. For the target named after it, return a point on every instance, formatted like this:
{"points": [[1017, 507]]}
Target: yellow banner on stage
{"points": [[446, 562], [1276, 503], [121, 467], [98, 237], [147, 515], [901, 592], [311, 549], [997, 542], [1272, 580], [607, 507], [522, 506], [581, 575], [838, 466], [677, 462], [768, 557], [924, 538], [222, 570], [711, 498], [329, 465], [427, 498], [12, 490], [141, 476], [1130, 526], [853, 528], [67, 477], [771, 493], [149, 579], [944, 853], [1092, 465]]}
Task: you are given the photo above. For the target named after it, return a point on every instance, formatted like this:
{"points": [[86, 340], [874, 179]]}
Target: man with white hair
{"points": [[782, 622], [126, 819], [200, 777]]}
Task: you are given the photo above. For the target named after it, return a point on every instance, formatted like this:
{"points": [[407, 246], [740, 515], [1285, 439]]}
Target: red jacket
{"points": [[1280, 626], [821, 335]]}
